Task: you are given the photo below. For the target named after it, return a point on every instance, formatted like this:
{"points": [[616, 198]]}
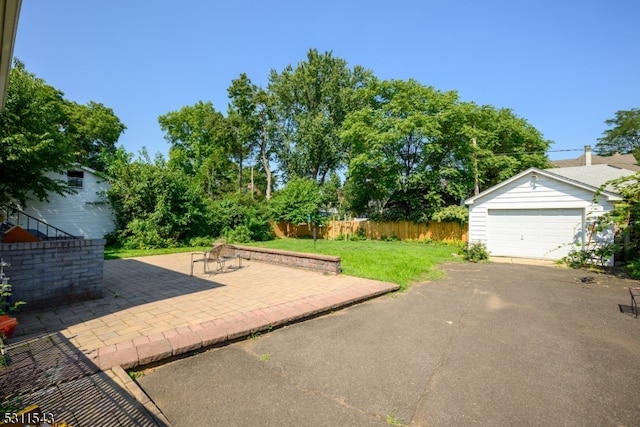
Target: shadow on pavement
{"points": [[51, 373], [152, 283]]}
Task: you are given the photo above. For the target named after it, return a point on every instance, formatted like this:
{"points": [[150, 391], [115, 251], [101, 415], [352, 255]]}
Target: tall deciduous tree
{"points": [[312, 101], [414, 149], [252, 108], [395, 153], [30, 139], [243, 121], [95, 129], [201, 142], [189, 131], [624, 136], [491, 144]]}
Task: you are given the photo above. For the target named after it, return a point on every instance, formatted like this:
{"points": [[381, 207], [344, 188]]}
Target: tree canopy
{"points": [[414, 149], [42, 132], [323, 135], [311, 102], [31, 142], [405, 149], [94, 130], [201, 142], [252, 109], [624, 136], [298, 202]]}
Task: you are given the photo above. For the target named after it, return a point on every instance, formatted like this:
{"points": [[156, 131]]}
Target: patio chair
{"points": [[231, 255], [210, 256]]}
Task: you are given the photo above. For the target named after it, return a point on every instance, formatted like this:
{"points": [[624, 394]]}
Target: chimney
{"points": [[587, 155]]}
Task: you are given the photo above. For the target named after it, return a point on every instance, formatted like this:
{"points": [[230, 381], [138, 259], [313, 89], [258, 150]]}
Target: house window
{"points": [[75, 178]]}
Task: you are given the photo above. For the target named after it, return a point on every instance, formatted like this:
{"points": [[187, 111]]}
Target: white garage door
{"points": [[533, 233]]}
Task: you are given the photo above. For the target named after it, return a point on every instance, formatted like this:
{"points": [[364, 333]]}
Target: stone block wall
{"points": [[325, 263], [55, 272]]}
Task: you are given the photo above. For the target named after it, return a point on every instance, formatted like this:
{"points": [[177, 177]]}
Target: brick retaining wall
{"points": [[55, 272], [326, 263]]}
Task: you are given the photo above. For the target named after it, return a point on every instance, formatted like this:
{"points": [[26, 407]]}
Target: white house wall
{"points": [[526, 193], [85, 213]]}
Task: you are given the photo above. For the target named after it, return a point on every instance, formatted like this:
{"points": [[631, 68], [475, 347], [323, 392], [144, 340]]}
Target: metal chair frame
{"points": [[211, 256]]}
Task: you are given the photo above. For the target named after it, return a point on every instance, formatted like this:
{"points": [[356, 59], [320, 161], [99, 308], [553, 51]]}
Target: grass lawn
{"points": [[402, 263]]}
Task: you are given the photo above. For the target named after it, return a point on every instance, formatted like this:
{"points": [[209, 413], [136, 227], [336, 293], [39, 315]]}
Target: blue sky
{"points": [[564, 66]]}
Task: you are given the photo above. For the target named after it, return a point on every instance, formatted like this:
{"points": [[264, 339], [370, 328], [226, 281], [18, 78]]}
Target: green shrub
{"points": [[459, 214], [392, 238], [240, 234], [297, 201], [576, 258], [112, 239], [596, 256], [633, 269], [475, 252], [154, 205], [144, 234], [240, 211], [201, 241], [426, 241], [359, 235]]}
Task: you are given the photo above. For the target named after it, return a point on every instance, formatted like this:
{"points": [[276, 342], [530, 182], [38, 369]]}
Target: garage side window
{"points": [[75, 179]]}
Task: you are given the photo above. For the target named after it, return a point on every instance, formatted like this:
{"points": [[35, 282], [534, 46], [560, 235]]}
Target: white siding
{"points": [[85, 213], [544, 196]]}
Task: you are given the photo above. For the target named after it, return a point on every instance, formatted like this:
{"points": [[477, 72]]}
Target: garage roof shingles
{"points": [[594, 175]]}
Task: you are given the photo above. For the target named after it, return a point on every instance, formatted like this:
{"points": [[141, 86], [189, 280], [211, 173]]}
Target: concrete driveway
{"points": [[490, 344]]}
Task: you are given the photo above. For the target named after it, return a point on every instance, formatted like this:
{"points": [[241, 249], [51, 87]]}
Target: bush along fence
{"points": [[400, 230]]}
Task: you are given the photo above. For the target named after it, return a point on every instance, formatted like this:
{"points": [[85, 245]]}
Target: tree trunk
{"points": [[476, 186], [240, 172], [265, 159]]}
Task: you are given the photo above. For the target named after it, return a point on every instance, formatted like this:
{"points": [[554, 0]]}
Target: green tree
{"points": [[625, 219], [311, 101], [32, 140], [201, 142], [41, 132], [189, 131], [624, 136], [396, 156], [414, 150], [94, 130], [243, 121], [496, 144], [154, 205], [252, 109], [299, 201], [330, 194]]}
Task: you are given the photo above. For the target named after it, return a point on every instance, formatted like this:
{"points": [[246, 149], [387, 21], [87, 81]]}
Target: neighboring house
{"points": [[623, 161], [543, 213], [85, 213]]}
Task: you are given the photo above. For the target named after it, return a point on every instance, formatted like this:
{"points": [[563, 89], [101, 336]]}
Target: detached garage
{"points": [[543, 213]]}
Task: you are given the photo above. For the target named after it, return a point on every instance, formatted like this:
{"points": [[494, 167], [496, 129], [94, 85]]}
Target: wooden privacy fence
{"points": [[440, 231]]}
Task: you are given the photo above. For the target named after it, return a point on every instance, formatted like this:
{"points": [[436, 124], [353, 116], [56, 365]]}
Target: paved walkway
{"points": [[153, 310]]}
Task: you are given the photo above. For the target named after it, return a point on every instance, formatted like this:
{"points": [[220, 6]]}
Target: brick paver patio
{"points": [[153, 309]]}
